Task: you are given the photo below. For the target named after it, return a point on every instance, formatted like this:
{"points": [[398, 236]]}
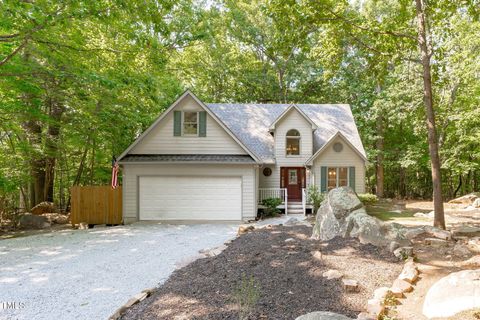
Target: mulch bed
{"points": [[288, 276]]}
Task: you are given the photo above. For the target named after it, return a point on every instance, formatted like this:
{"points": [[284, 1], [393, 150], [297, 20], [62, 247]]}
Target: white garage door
{"points": [[190, 198]]}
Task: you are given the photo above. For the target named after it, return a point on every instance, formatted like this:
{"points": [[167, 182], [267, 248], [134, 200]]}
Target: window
{"points": [[190, 123], [292, 177], [293, 143], [337, 177]]}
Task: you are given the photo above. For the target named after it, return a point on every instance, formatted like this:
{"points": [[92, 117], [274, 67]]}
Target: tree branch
{"points": [[14, 52]]}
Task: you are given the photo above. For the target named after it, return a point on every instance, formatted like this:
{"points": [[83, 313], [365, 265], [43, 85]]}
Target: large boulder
{"points": [[323, 315], [30, 221], [457, 292], [343, 214], [44, 207], [467, 199]]}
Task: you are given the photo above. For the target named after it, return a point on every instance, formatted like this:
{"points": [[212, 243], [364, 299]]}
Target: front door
{"points": [[293, 179]]}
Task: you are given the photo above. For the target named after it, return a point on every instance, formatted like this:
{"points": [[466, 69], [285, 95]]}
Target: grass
{"points": [[385, 212]]}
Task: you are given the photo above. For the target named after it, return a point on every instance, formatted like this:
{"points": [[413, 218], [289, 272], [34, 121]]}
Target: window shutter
{"points": [[351, 177], [323, 179], [202, 126], [177, 123]]}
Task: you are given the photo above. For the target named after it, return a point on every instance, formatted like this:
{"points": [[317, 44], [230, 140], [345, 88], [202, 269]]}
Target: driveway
{"points": [[88, 274]]}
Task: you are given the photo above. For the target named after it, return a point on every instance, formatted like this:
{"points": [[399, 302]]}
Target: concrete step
{"points": [[295, 206], [296, 211]]}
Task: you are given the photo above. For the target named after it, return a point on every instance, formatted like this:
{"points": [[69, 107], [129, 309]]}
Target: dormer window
{"points": [[190, 123], [293, 143]]}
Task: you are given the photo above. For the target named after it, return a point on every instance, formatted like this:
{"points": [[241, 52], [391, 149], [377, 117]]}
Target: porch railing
{"points": [[265, 193], [304, 200]]}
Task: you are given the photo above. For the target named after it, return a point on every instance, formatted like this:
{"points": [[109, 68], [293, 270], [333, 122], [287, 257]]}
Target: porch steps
{"points": [[295, 208]]}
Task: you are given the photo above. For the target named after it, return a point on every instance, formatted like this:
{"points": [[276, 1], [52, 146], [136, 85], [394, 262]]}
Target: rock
{"points": [[292, 221], [323, 315], [244, 229], [420, 215], [290, 240], [317, 255], [438, 233], [403, 252], [343, 214], [332, 274], [393, 246], [399, 287], [467, 199], [461, 250], [56, 218], [375, 307], [44, 207], [413, 233], [214, 251], [476, 203], [140, 296], [350, 285], [466, 231], [436, 242], [83, 226], [381, 293], [473, 262], [452, 294], [30, 221], [409, 273], [365, 316]]}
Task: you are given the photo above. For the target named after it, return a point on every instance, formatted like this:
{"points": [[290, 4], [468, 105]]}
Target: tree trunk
{"points": [[439, 219], [380, 150], [55, 112]]}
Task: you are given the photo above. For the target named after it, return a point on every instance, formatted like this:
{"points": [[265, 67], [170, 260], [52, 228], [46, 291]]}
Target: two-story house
{"points": [[218, 161]]}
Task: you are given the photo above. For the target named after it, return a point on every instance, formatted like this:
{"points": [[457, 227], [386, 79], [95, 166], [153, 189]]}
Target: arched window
{"points": [[293, 143]]}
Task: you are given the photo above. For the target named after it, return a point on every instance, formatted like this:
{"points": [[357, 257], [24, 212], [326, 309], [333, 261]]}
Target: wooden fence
{"points": [[96, 205]]}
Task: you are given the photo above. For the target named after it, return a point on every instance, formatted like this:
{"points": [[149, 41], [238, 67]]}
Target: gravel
{"points": [[287, 275], [88, 274]]}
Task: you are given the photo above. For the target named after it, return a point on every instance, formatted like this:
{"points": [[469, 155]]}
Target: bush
{"points": [[368, 198], [271, 205], [315, 197]]}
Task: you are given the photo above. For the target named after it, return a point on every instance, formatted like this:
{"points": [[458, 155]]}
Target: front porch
{"points": [[289, 207]]}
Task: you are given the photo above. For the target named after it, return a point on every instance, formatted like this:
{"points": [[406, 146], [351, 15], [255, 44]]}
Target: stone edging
{"points": [[384, 296]]}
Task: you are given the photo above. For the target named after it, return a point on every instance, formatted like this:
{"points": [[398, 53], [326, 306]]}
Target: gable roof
{"points": [[251, 123], [287, 110], [164, 114], [329, 142]]}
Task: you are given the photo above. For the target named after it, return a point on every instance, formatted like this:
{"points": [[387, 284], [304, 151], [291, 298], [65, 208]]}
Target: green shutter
{"points": [[351, 177], [323, 179], [177, 123], [202, 126]]}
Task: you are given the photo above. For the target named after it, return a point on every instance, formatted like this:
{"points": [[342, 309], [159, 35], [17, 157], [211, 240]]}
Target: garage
{"points": [[190, 198]]}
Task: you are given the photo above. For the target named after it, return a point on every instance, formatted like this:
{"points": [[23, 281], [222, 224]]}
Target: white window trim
{"points": [[337, 175], [183, 125], [299, 138]]}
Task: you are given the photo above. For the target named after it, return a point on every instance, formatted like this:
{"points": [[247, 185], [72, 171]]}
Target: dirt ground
{"points": [[433, 263], [286, 275]]}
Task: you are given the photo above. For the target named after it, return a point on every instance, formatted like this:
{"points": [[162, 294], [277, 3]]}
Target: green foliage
{"points": [[271, 205], [246, 295], [315, 197], [367, 198]]}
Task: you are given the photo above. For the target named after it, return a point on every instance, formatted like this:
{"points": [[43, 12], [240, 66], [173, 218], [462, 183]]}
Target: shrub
{"points": [[246, 295], [316, 197], [271, 205], [368, 198]]}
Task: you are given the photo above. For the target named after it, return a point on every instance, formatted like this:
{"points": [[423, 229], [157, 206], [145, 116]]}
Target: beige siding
{"points": [[160, 140], [131, 172], [292, 120], [346, 158]]}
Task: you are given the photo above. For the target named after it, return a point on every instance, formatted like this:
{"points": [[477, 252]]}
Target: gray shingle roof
{"points": [[229, 158], [250, 124]]}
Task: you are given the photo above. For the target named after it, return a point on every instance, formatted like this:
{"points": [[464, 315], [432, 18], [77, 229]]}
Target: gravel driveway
{"points": [[88, 274]]}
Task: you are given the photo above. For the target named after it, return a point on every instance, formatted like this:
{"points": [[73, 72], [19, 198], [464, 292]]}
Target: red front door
{"points": [[293, 178]]}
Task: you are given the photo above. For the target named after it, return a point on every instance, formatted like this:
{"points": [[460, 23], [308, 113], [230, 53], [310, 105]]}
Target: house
{"points": [[218, 161]]}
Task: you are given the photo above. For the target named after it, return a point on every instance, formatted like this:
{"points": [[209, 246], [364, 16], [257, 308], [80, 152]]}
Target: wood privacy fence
{"points": [[96, 205]]}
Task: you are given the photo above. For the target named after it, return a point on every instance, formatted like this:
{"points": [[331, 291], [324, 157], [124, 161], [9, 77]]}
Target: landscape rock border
{"points": [[381, 301]]}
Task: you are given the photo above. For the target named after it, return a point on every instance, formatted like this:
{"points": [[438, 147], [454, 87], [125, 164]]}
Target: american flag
{"points": [[114, 173]]}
